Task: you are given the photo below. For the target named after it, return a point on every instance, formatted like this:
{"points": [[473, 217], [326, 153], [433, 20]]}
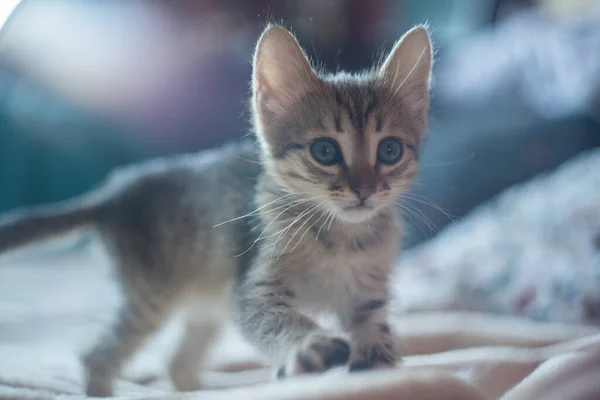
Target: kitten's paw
{"points": [[99, 378], [98, 388], [317, 353], [376, 356], [186, 383], [185, 380]]}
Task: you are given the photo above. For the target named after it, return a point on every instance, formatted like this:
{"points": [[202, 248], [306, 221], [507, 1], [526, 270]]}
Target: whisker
{"points": [[424, 200], [432, 227], [253, 212], [249, 161], [323, 213], [285, 231], [409, 214], [329, 213], [274, 245], [331, 220], [297, 201], [430, 224], [308, 229], [293, 204], [299, 229], [317, 206]]}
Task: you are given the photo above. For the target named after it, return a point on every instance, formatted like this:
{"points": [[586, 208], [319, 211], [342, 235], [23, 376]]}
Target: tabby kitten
{"points": [[275, 233]]}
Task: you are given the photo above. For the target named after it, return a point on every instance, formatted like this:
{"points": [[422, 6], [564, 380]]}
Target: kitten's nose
{"points": [[363, 193], [362, 181]]}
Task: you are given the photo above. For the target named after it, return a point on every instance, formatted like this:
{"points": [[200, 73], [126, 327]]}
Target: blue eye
{"points": [[389, 151], [326, 151]]}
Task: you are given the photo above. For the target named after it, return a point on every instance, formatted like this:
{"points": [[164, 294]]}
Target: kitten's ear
{"points": [[407, 69], [282, 73]]}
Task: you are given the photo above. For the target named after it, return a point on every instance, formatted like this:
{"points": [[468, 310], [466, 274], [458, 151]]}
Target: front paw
{"points": [[319, 352], [376, 356]]}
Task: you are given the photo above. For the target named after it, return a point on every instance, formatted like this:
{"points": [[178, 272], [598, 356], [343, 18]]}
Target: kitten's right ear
{"points": [[281, 72], [407, 69]]}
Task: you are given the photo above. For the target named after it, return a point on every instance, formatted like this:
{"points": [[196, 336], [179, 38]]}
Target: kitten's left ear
{"points": [[407, 69], [282, 73]]}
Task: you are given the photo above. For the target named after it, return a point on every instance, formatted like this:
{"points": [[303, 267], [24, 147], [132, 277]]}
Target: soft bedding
{"points": [[53, 303]]}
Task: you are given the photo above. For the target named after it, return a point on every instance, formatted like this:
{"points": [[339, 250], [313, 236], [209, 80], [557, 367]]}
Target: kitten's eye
{"points": [[326, 151], [389, 151]]}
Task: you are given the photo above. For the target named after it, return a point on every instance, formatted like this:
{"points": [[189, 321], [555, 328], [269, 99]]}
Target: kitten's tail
{"points": [[26, 226]]}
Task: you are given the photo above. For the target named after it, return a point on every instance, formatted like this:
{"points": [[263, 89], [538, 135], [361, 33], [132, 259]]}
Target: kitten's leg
{"points": [[205, 318], [293, 340], [136, 321], [186, 363], [367, 322]]}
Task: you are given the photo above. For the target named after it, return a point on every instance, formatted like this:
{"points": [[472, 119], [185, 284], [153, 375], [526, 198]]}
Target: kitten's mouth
{"points": [[354, 211], [357, 213], [358, 207]]}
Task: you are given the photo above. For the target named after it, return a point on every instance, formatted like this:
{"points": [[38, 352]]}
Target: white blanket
{"points": [[54, 303]]}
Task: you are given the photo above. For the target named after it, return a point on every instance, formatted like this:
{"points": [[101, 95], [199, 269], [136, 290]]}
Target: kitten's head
{"points": [[348, 141]]}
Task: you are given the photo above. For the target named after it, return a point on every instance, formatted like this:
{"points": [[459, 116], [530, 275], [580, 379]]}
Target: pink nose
{"points": [[363, 193]]}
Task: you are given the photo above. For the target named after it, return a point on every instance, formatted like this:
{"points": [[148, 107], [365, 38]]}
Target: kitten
{"points": [[300, 224]]}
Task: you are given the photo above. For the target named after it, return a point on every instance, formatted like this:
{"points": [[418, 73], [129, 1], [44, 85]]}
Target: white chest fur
{"points": [[332, 280]]}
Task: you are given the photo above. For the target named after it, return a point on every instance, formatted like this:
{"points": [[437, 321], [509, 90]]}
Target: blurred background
{"points": [[89, 85]]}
